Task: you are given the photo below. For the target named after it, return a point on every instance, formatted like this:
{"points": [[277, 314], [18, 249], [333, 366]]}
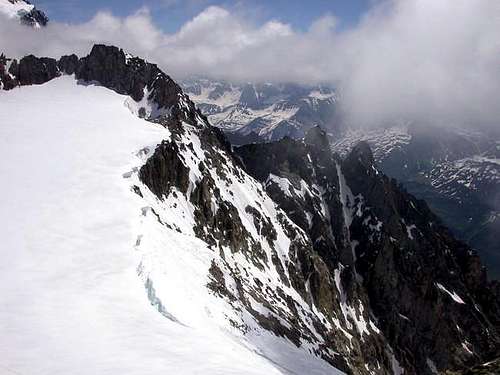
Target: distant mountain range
{"points": [[253, 112]]}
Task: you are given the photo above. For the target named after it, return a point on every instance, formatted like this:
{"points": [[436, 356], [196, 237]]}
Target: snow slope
{"points": [[71, 298]]}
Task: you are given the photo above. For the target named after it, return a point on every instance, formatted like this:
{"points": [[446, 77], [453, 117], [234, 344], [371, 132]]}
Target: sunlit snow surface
{"points": [[71, 299]]}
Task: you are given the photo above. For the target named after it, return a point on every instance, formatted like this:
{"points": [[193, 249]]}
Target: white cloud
{"points": [[429, 60]]}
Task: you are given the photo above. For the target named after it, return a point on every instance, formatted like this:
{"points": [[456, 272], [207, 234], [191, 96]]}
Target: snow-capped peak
{"points": [[14, 8], [24, 11]]}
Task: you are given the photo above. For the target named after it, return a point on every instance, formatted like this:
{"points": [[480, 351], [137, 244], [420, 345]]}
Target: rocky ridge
{"points": [[406, 267], [152, 92], [456, 172]]}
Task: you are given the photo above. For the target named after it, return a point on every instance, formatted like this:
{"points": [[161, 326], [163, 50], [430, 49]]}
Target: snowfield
{"points": [[73, 236]]}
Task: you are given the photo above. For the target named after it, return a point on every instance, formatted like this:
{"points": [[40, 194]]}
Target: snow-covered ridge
{"points": [[170, 222], [151, 92], [88, 227], [226, 306], [237, 118]]}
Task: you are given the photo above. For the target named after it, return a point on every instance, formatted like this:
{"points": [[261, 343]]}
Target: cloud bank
{"points": [[426, 60]]}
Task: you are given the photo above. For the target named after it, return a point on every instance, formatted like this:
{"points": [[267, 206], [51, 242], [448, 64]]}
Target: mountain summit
{"points": [[24, 11]]}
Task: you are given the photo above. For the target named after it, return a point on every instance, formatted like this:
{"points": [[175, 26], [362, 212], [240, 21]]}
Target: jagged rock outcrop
{"points": [[32, 70], [153, 93], [7, 81], [165, 170], [128, 75], [427, 291]]}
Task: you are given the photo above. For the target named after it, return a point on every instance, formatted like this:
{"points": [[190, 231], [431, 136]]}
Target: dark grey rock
{"points": [[165, 170], [110, 67], [33, 70], [68, 64]]}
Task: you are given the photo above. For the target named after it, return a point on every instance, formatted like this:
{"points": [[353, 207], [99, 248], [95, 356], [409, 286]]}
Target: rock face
{"points": [[7, 81], [128, 75], [68, 64], [426, 291], [32, 70], [267, 267], [456, 171]]}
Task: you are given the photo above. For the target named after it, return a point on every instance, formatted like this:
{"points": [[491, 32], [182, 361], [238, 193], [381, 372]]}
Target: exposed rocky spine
{"points": [[350, 258]]}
